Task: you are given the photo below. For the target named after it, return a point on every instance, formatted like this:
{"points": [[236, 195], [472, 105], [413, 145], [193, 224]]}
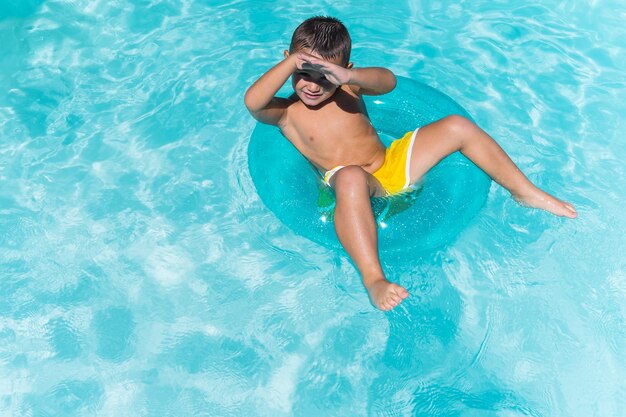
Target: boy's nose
{"points": [[314, 87]]}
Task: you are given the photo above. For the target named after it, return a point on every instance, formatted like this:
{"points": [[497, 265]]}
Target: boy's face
{"points": [[310, 85]]}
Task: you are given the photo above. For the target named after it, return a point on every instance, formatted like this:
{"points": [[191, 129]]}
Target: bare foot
{"points": [[542, 200], [386, 295]]}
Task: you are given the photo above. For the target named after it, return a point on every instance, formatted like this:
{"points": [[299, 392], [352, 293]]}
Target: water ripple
{"points": [[132, 238]]}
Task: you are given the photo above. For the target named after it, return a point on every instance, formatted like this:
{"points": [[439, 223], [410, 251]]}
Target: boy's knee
{"points": [[350, 177], [457, 124]]}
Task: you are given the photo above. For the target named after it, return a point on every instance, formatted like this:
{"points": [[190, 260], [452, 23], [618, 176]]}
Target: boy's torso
{"points": [[337, 132]]}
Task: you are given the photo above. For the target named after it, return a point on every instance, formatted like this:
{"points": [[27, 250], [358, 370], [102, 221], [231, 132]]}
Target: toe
{"points": [[389, 303], [570, 207], [402, 292], [571, 211]]}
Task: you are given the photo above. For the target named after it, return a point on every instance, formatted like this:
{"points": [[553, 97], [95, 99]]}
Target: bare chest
{"points": [[329, 122], [332, 135]]}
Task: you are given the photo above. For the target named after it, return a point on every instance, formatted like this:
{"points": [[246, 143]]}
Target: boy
{"points": [[326, 120]]}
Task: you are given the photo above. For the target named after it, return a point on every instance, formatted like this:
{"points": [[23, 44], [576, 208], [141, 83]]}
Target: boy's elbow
{"points": [[249, 102], [252, 105], [392, 81], [252, 102]]}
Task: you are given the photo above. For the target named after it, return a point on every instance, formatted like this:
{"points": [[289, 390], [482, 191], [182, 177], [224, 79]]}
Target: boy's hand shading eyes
{"points": [[334, 73]]}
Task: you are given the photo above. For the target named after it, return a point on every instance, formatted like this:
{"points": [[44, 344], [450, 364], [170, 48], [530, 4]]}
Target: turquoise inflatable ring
{"points": [[428, 217]]}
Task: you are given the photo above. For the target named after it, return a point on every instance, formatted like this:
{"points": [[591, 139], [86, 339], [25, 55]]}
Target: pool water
{"points": [[141, 274]]}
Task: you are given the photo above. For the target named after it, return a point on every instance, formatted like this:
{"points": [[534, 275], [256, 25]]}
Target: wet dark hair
{"points": [[324, 35]]}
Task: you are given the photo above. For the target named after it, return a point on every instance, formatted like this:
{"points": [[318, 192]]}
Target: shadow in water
{"points": [[427, 368]]}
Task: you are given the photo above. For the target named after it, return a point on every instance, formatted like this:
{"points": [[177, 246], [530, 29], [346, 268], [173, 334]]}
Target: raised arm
{"points": [[260, 98], [368, 81], [372, 81]]}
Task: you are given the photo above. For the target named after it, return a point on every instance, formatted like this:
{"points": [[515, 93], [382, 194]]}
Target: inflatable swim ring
{"points": [[423, 219]]}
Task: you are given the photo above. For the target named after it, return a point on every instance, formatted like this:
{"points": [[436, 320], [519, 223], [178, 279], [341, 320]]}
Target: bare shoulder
{"points": [[352, 89], [359, 91]]}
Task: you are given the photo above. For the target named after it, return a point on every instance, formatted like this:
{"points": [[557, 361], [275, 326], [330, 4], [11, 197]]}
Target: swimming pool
{"points": [[140, 274]]}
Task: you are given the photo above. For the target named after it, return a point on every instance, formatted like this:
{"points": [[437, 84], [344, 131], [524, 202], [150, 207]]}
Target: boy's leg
{"points": [[356, 228], [456, 133]]}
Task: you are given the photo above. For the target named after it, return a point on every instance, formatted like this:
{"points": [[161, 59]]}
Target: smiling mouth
{"points": [[312, 96]]}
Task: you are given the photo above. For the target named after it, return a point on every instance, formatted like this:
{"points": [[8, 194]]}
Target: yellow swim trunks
{"points": [[394, 174]]}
